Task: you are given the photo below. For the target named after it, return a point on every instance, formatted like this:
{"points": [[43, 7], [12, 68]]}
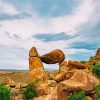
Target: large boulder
{"points": [[63, 67], [55, 56], [75, 65], [60, 77], [37, 74], [35, 62], [80, 81]]}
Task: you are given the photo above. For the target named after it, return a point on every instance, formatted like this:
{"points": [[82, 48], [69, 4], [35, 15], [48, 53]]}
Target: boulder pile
{"points": [[72, 76]]}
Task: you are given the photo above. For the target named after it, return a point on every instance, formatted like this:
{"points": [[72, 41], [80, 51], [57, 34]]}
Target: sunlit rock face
{"points": [[55, 56], [98, 52], [35, 66]]}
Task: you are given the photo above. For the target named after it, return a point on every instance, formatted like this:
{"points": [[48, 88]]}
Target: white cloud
{"points": [[7, 8], [25, 28], [69, 24]]}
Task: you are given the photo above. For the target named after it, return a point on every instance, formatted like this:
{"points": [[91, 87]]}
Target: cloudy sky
{"points": [[70, 25]]}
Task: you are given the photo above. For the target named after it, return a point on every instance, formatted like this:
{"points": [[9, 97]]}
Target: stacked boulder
{"points": [[35, 66], [72, 76]]}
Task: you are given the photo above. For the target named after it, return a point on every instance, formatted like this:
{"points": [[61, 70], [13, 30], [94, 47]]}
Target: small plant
{"points": [[78, 96], [97, 90], [30, 91], [96, 70], [4, 92]]}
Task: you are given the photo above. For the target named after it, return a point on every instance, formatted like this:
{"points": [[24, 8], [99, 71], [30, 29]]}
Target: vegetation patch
{"points": [[78, 96], [4, 92], [96, 70], [30, 92]]}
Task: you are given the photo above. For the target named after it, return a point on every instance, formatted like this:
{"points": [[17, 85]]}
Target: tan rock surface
{"points": [[37, 73], [55, 56], [63, 67], [33, 52], [60, 77], [35, 62], [75, 65]]}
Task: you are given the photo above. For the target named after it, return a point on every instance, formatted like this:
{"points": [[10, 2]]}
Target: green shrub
{"points": [[97, 90], [78, 96], [96, 70], [82, 62], [30, 91], [4, 92]]}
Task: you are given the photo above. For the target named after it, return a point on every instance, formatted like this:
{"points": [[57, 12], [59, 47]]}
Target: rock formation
{"points": [[98, 52], [55, 56], [94, 59], [71, 77], [35, 66]]}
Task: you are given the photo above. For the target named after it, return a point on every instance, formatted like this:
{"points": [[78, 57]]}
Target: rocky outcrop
{"points": [[80, 81], [63, 67], [55, 56], [98, 52], [75, 65], [94, 59], [35, 66]]}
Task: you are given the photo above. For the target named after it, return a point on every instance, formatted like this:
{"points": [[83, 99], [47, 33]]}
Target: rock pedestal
{"points": [[35, 66]]}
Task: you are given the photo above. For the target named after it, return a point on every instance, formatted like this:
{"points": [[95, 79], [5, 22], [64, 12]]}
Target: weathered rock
{"points": [[44, 97], [98, 52], [55, 56], [35, 62], [36, 66], [9, 81], [44, 90], [33, 52], [75, 65], [60, 77], [80, 81], [37, 73], [18, 86], [51, 83], [63, 67], [24, 85]]}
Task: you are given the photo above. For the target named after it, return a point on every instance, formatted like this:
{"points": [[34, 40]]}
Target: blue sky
{"points": [[70, 25]]}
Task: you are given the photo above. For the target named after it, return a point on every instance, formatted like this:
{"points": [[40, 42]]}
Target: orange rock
{"points": [[44, 97], [37, 73], [55, 56], [35, 62], [33, 52], [63, 67], [75, 65], [60, 77]]}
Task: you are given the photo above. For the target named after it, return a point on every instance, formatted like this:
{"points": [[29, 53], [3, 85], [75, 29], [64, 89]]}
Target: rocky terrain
{"points": [[72, 76]]}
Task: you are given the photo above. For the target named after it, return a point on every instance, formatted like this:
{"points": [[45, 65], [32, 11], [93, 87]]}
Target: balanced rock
{"points": [[55, 56], [75, 65]]}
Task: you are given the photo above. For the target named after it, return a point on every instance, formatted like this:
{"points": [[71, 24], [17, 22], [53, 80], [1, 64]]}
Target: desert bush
{"points": [[97, 91], [78, 96], [30, 92], [96, 70], [4, 92]]}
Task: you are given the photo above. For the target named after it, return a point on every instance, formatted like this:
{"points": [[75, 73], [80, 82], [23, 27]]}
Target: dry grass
{"points": [[21, 77]]}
